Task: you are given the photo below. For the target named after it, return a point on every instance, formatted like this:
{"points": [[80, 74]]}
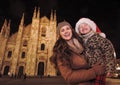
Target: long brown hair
{"points": [[61, 49]]}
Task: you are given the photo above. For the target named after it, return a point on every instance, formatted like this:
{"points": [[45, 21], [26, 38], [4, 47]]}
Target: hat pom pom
{"points": [[102, 34]]}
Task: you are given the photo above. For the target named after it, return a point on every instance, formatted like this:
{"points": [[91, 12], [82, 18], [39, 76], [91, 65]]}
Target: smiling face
{"points": [[84, 28], [66, 32]]}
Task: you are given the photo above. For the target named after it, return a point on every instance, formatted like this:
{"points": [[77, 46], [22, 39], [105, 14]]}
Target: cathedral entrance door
{"points": [[20, 72], [6, 70], [41, 69]]}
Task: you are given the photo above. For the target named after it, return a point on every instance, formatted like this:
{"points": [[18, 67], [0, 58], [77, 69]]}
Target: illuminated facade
{"points": [[28, 50]]}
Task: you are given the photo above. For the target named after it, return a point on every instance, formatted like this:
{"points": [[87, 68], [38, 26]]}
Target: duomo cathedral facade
{"points": [[29, 49]]}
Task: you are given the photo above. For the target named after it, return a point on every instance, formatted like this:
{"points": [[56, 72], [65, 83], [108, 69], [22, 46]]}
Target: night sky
{"points": [[105, 14]]}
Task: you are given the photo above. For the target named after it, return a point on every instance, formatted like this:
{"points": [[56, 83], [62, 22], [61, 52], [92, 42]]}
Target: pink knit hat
{"points": [[61, 24], [91, 23]]}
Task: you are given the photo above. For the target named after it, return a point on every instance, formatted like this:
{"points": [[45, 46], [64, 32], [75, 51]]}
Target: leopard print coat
{"points": [[101, 49]]}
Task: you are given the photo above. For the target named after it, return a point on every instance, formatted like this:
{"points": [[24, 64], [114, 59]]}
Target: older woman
{"points": [[97, 47], [68, 57]]}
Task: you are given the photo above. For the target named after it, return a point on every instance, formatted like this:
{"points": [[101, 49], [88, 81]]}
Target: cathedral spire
{"points": [[5, 31], [38, 13], [55, 16], [18, 42], [8, 28], [22, 20], [9, 23], [51, 16], [34, 14], [4, 27]]}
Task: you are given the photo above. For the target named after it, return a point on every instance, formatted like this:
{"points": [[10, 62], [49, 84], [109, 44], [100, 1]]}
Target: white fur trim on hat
{"points": [[85, 20], [102, 34]]}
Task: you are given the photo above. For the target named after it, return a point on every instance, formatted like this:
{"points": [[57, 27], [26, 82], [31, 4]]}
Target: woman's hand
{"points": [[99, 68]]}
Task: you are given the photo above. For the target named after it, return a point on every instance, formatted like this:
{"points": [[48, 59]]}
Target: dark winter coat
{"points": [[77, 72]]}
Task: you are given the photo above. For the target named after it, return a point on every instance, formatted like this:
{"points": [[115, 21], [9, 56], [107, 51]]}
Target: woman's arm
{"points": [[75, 76]]}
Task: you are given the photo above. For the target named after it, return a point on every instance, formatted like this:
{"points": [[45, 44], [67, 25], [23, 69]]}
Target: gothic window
{"points": [[42, 46], [9, 54], [43, 32], [25, 43], [23, 55]]}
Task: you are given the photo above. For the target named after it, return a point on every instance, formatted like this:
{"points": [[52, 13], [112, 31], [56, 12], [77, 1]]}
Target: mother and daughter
{"points": [[84, 57]]}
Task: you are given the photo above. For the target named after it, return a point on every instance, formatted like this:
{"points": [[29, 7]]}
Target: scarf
{"points": [[75, 46], [86, 36]]}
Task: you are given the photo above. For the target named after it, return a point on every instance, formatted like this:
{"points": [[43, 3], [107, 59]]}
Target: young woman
{"points": [[68, 57]]}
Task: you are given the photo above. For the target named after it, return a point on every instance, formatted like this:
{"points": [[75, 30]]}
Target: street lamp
{"points": [[117, 71]]}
